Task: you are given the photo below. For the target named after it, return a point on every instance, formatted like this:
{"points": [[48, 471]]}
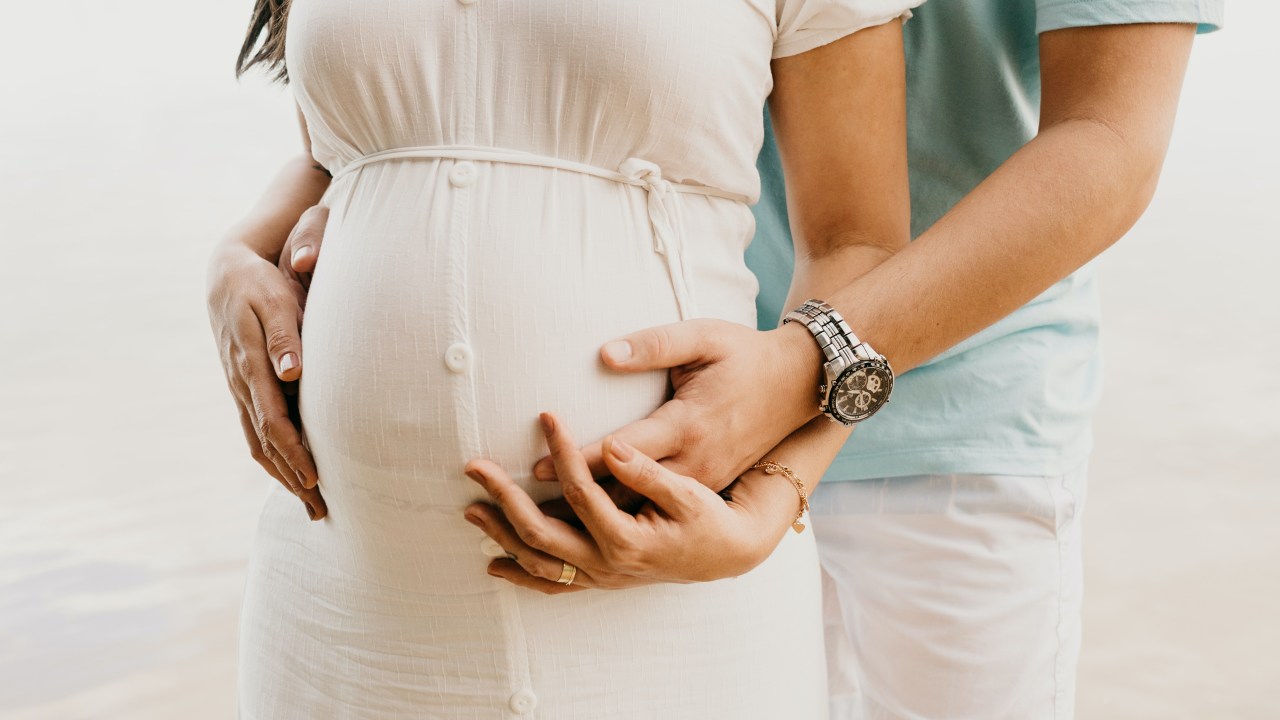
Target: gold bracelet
{"points": [[773, 468]]}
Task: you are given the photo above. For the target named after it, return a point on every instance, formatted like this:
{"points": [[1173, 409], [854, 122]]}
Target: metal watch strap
{"points": [[839, 345]]}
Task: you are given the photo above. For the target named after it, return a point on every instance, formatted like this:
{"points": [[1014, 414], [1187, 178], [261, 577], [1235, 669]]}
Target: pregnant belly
{"points": [[436, 335]]}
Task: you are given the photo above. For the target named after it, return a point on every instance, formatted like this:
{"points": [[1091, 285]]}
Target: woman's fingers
{"points": [[535, 562], [657, 436], [673, 494], [589, 501], [510, 571], [537, 530]]}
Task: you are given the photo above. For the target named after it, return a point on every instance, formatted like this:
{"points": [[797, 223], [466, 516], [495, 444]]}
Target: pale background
{"points": [[127, 498]]}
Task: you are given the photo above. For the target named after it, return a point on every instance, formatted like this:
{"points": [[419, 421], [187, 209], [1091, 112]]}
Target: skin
{"points": [[255, 312], [1109, 96], [1109, 99]]}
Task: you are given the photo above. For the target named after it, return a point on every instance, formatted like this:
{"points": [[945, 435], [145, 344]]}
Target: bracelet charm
{"points": [[773, 468]]}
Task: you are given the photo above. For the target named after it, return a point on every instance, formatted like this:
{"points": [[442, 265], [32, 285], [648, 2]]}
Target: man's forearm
{"points": [[1050, 208], [297, 186]]}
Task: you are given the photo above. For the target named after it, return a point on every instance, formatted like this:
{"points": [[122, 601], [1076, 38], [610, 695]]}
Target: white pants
{"points": [[951, 596]]}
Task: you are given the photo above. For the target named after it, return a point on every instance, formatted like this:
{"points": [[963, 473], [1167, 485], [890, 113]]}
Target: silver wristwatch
{"points": [[856, 380]]}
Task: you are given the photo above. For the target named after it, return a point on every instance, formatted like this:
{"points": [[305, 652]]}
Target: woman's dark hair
{"points": [[264, 43]]}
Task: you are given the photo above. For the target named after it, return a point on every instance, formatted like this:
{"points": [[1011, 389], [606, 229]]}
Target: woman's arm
{"points": [[839, 115], [254, 313]]}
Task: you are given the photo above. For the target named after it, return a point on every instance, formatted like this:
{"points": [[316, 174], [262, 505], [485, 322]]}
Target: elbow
{"points": [[1136, 159]]}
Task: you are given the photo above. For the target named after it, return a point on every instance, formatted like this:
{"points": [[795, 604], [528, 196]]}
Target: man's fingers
{"points": [[543, 533], [510, 571], [671, 492], [254, 435], [317, 508], [593, 506], [534, 562], [306, 238], [256, 449], [656, 436], [311, 498], [280, 318], [662, 347], [276, 429]]}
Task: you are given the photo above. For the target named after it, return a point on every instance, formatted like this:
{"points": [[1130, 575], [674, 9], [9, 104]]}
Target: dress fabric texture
{"points": [[515, 184]]}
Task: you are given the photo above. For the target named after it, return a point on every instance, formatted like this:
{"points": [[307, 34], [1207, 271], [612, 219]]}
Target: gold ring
{"points": [[567, 574]]}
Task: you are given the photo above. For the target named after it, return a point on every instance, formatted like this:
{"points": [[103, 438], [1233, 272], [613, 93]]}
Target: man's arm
{"points": [[1109, 99], [255, 314]]}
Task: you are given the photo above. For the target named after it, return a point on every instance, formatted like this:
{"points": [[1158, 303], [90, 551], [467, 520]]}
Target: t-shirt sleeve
{"points": [[806, 24], [1058, 14]]}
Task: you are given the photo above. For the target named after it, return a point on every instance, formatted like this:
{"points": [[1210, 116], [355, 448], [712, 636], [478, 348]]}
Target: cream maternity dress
{"points": [[516, 182]]}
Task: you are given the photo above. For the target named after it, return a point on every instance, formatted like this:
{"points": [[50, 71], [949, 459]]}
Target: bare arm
{"points": [[1109, 99], [1110, 95], [296, 187], [839, 118], [255, 315]]}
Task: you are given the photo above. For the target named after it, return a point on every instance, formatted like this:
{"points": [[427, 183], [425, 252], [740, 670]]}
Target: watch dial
{"points": [[862, 390]]}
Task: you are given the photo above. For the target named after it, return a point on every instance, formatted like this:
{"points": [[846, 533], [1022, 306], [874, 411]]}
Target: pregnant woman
{"points": [[513, 183]]}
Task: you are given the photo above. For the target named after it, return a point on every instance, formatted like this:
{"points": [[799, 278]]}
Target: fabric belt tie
{"points": [[660, 201]]}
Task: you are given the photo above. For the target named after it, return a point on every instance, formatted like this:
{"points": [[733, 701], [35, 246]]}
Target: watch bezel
{"points": [[834, 387]]}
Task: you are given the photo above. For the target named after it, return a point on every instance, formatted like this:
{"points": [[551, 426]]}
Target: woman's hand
{"points": [[256, 315], [685, 532]]}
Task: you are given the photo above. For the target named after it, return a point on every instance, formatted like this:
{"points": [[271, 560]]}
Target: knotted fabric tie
{"points": [[661, 194]]}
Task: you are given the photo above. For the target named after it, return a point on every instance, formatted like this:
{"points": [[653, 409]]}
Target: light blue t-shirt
{"points": [[1018, 397]]}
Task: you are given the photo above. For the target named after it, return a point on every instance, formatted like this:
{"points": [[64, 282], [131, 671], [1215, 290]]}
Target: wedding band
{"points": [[567, 574]]}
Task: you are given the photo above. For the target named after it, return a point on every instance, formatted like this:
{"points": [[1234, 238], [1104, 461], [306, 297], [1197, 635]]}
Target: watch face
{"points": [[861, 390]]}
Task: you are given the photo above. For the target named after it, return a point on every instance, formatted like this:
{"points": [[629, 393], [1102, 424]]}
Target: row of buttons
{"points": [[458, 357]]}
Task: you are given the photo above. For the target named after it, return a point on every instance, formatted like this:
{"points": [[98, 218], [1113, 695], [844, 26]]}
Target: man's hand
{"points": [[300, 252], [684, 533], [256, 315], [738, 393]]}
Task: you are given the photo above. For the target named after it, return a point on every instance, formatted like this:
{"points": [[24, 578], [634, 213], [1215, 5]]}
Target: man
{"points": [[949, 526]]}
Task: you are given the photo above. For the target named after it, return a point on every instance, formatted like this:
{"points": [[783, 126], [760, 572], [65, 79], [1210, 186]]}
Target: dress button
{"points": [[523, 701], [458, 357], [490, 547], [462, 175]]}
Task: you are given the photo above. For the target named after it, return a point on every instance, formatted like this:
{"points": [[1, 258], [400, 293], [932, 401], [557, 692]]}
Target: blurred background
{"points": [[128, 499]]}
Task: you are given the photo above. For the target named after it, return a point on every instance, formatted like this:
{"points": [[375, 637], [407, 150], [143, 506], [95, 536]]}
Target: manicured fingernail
{"points": [[618, 351], [288, 362], [545, 472], [548, 425], [474, 475], [311, 512], [621, 450], [301, 253], [473, 519]]}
